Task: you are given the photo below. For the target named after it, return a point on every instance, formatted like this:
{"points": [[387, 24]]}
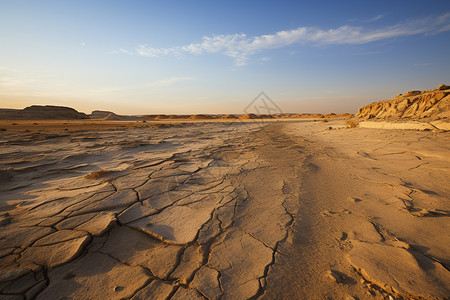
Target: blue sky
{"points": [[145, 57]]}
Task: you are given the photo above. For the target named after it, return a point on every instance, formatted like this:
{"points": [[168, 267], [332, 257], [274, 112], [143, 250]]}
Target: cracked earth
{"points": [[225, 211]]}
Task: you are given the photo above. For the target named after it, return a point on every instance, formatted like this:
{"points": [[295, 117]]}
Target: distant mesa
{"points": [[99, 114], [249, 116], [149, 117], [265, 116], [114, 117], [48, 112], [228, 117], [179, 117], [163, 117], [431, 104], [201, 117], [109, 115], [170, 117], [39, 112]]}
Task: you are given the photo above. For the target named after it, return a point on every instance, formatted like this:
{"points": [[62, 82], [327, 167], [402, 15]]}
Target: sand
{"points": [[231, 210]]}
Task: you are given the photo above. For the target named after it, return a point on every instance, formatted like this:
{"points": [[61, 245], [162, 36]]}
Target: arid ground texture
{"points": [[230, 208]]}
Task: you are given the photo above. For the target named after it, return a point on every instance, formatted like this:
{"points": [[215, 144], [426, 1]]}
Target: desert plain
{"points": [[278, 208]]}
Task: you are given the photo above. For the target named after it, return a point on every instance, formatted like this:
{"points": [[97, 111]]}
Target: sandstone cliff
{"points": [[430, 104]]}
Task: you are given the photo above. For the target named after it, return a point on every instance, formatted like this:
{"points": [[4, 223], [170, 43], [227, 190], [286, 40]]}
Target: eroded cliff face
{"points": [[431, 104]]}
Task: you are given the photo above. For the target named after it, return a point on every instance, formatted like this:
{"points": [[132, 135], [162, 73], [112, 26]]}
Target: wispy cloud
{"points": [[122, 51], [15, 79], [168, 81], [8, 82], [376, 18], [240, 46]]}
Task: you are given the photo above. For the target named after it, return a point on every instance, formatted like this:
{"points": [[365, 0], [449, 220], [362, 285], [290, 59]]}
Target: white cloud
{"points": [[168, 81], [122, 51], [240, 46], [376, 18]]}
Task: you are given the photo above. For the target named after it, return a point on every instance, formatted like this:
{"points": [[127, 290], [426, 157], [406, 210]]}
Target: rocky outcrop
{"points": [[228, 117], [108, 115], [100, 114], [114, 117], [431, 104], [201, 117], [249, 116], [38, 112], [246, 116]]}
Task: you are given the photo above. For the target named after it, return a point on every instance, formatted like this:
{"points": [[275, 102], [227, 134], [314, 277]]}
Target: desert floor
{"points": [[233, 210]]}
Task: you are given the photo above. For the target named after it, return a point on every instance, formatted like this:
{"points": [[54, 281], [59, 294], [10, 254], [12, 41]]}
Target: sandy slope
{"points": [[232, 211]]}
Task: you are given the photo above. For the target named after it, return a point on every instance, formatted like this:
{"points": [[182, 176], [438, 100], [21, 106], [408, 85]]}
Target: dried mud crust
{"points": [[169, 217], [224, 211]]}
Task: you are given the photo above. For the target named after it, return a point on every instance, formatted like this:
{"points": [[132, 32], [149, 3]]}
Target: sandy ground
{"points": [[44, 126], [280, 210]]}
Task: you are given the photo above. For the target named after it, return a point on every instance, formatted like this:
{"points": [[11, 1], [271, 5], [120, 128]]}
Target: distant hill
{"points": [[202, 117], [49, 112], [430, 104], [99, 114], [249, 116], [39, 112], [109, 115], [6, 110], [246, 116], [228, 117]]}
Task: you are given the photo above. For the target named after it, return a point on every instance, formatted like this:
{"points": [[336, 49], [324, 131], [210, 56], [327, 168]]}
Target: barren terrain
{"points": [[233, 210]]}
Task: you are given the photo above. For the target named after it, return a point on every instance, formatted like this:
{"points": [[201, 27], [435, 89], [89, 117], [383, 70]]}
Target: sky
{"points": [[185, 57]]}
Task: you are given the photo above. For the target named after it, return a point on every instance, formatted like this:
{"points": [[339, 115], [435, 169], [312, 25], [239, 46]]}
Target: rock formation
{"points": [[100, 114], [38, 112], [228, 117], [431, 104], [246, 116], [114, 117], [109, 115], [249, 116], [201, 117]]}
